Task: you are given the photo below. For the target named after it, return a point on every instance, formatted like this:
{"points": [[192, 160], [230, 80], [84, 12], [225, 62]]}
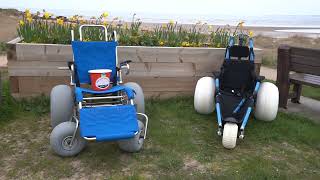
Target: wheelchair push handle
{"points": [[93, 25]]}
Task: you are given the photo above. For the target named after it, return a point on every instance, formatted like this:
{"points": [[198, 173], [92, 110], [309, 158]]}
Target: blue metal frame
{"points": [[246, 117], [242, 102], [231, 43]]}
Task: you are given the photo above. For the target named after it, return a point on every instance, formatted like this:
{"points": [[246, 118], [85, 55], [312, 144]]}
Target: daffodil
{"points": [[27, 11], [105, 14], [29, 19], [46, 15], [60, 21], [28, 15], [164, 26], [251, 34], [241, 24], [105, 23], [21, 23], [161, 43], [171, 22], [210, 27]]}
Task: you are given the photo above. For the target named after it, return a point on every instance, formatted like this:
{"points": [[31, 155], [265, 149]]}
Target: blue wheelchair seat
{"points": [[109, 122]]}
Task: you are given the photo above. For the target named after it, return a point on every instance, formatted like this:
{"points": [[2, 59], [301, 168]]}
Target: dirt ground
{"points": [[8, 25]]}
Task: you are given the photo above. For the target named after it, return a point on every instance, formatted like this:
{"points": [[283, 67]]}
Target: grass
{"points": [[181, 144], [311, 92], [3, 48]]}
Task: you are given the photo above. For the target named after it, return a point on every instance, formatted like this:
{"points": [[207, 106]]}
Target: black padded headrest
{"points": [[239, 51]]}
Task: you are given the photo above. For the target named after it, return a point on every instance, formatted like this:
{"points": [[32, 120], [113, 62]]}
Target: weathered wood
{"points": [[161, 71], [297, 89], [304, 61], [283, 74], [306, 79]]}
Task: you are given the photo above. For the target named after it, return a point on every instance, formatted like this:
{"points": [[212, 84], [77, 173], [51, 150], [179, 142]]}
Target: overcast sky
{"points": [[228, 7]]}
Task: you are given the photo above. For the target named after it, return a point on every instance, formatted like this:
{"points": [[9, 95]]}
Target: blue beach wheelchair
{"points": [[80, 114], [235, 91]]}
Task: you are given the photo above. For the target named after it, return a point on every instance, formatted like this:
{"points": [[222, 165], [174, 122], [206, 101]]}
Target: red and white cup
{"points": [[100, 79]]}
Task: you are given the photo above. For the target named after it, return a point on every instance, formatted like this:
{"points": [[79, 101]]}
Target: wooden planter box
{"points": [[161, 71]]}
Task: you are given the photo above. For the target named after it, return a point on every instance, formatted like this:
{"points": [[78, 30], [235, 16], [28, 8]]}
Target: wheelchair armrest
{"points": [[71, 65], [260, 78], [216, 74], [125, 66]]}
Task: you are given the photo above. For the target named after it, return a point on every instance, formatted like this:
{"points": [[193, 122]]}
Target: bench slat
{"points": [[306, 79], [307, 60], [303, 68]]}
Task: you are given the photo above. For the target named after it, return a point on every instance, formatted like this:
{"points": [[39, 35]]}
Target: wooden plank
{"points": [[39, 85], [306, 79], [43, 52], [182, 84], [14, 84], [307, 60], [302, 68], [36, 68], [305, 51], [161, 69]]}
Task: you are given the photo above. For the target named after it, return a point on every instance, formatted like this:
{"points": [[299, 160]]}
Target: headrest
{"points": [[239, 51]]}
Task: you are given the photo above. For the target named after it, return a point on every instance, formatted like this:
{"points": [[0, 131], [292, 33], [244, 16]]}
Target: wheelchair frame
{"points": [[118, 99], [251, 98]]}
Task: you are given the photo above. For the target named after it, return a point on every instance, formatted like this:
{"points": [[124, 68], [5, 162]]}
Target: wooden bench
{"points": [[296, 66]]}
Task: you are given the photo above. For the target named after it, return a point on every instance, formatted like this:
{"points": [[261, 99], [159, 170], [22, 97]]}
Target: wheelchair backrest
{"points": [[94, 55], [237, 74]]}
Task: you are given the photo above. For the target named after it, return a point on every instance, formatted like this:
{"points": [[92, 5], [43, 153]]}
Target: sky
{"points": [[183, 7]]}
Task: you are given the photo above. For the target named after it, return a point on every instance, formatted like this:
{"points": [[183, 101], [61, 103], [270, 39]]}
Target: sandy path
{"points": [[3, 61]]}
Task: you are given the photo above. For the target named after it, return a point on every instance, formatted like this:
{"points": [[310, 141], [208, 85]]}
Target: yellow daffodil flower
{"points": [[105, 23], [241, 24], [171, 22], [46, 15], [28, 15], [251, 34], [29, 19], [60, 21], [105, 14], [161, 43], [187, 44], [27, 11], [21, 23], [164, 26]]}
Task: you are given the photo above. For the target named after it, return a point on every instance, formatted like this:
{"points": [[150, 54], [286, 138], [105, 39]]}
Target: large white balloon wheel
{"points": [[230, 134], [204, 95]]}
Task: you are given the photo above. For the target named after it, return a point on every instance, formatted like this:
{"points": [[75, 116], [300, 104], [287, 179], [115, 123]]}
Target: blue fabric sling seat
{"points": [[80, 91], [109, 122]]}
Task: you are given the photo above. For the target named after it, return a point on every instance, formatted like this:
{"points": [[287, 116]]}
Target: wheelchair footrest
{"points": [[109, 123]]}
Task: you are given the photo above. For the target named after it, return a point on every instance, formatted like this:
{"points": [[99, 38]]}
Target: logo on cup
{"points": [[103, 82]]}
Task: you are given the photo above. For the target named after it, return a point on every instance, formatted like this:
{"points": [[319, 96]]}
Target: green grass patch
{"points": [[180, 144], [3, 48], [269, 61]]}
